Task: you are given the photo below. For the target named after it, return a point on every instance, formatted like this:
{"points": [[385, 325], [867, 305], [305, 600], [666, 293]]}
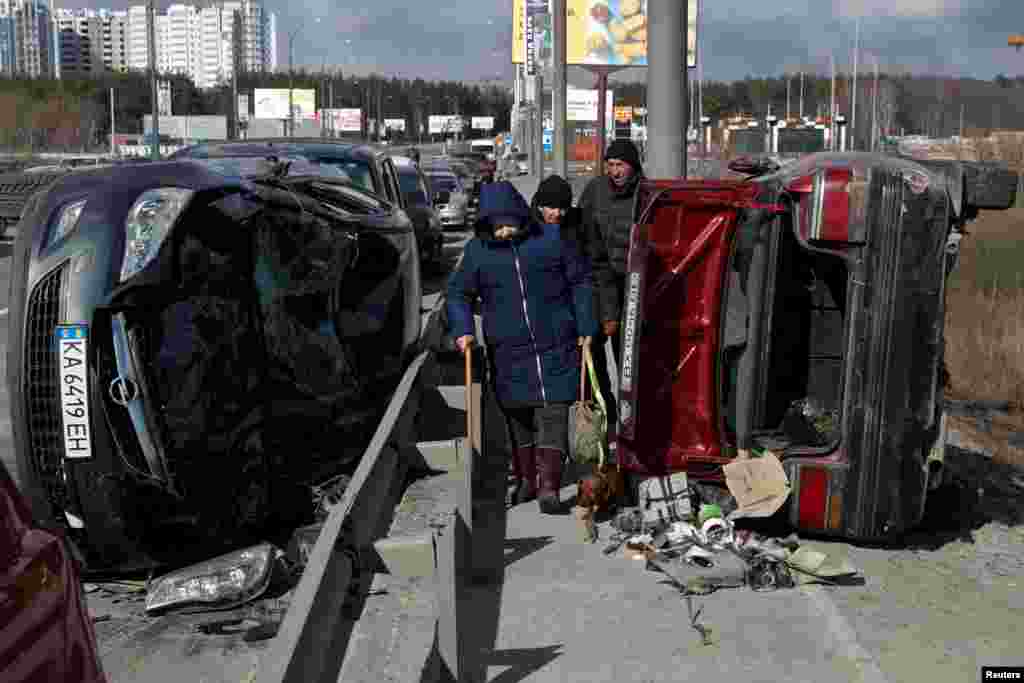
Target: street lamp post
{"points": [[291, 81]]}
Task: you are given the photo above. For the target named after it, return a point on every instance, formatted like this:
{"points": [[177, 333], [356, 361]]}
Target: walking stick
{"points": [[469, 396]]}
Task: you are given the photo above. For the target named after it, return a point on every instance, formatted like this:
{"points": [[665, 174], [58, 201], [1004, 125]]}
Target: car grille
{"points": [[46, 307]]}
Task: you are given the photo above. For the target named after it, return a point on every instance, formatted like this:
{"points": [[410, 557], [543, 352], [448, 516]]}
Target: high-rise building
{"points": [[26, 38], [91, 41], [200, 42], [272, 41]]}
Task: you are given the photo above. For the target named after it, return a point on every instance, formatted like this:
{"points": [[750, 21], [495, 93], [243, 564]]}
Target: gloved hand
{"points": [[465, 342], [610, 327]]}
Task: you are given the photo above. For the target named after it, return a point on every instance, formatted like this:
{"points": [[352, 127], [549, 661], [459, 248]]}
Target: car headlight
{"points": [[67, 221], [149, 222], [231, 579]]}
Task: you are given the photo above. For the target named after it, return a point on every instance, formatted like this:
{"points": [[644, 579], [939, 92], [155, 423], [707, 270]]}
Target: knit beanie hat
{"points": [[554, 192], [624, 150]]}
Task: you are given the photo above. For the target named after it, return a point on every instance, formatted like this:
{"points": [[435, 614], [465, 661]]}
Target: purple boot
{"points": [[526, 467], [549, 470]]}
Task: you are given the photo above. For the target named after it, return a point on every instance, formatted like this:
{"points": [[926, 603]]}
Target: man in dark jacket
{"points": [[607, 204], [537, 307]]}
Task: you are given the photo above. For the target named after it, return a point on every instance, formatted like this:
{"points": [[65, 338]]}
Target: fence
{"points": [[354, 543]]}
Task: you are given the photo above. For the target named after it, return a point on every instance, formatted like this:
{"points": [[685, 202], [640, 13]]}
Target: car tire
{"points": [[15, 190], [989, 185]]}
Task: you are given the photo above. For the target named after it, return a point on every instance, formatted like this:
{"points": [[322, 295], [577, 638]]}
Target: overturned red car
{"points": [[801, 311]]}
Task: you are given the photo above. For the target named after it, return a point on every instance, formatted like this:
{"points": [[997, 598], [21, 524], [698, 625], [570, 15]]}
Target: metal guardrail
{"points": [[308, 647]]}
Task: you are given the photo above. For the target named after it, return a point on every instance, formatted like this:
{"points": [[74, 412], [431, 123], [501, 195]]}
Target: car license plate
{"points": [[72, 342]]}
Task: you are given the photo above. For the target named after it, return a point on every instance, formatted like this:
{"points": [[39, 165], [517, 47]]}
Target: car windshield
{"points": [[520, 157], [358, 170], [249, 163]]}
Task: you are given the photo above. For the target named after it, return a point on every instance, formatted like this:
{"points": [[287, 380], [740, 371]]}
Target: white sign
{"points": [[395, 124], [439, 124], [342, 120], [271, 103], [483, 122], [581, 105]]}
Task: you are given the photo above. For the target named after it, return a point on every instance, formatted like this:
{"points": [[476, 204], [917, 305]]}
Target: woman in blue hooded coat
{"points": [[536, 303]]}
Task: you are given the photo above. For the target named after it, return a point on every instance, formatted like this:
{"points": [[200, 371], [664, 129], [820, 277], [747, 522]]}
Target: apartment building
{"points": [[91, 41], [201, 42], [26, 38]]}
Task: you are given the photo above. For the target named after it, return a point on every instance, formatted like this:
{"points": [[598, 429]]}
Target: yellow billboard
{"points": [[600, 33]]}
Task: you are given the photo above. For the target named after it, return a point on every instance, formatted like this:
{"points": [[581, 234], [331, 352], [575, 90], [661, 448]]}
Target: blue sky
{"points": [[470, 39]]}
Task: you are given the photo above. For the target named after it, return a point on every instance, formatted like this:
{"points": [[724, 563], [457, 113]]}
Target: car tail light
{"points": [[819, 505], [833, 204]]}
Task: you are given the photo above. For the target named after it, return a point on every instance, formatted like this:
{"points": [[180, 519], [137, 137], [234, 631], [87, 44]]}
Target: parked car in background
{"points": [[195, 344], [47, 633], [450, 198], [416, 190], [485, 167]]}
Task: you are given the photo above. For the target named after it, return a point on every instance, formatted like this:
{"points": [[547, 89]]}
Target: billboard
{"points": [[272, 103], [343, 120], [189, 127], [600, 33], [438, 124], [395, 124], [483, 123]]}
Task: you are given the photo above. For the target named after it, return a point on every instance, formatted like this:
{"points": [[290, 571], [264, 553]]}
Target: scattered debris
{"points": [[704, 631], [100, 618], [758, 484]]}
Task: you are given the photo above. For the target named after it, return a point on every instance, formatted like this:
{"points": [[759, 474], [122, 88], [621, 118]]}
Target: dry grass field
{"points": [[985, 326]]}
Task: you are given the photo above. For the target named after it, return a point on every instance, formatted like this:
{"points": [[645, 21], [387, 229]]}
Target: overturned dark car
{"points": [[195, 344]]}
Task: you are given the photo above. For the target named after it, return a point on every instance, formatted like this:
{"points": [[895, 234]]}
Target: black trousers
{"points": [[539, 426], [604, 380]]}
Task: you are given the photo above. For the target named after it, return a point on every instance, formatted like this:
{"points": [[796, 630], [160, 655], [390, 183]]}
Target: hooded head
{"points": [[623, 163], [554, 194], [502, 206]]}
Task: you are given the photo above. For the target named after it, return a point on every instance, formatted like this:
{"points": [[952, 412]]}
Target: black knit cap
{"points": [[554, 192], [624, 150]]}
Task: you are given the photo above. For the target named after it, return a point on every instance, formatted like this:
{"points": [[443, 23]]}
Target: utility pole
{"points": [[853, 103], [832, 116], [538, 130], [789, 82], [154, 90], [801, 95], [291, 81], [666, 106], [874, 111], [559, 88], [234, 93], [113, 125]]}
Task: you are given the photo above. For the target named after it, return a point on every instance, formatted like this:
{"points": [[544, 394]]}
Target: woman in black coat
{"points": [[537, 308]]}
